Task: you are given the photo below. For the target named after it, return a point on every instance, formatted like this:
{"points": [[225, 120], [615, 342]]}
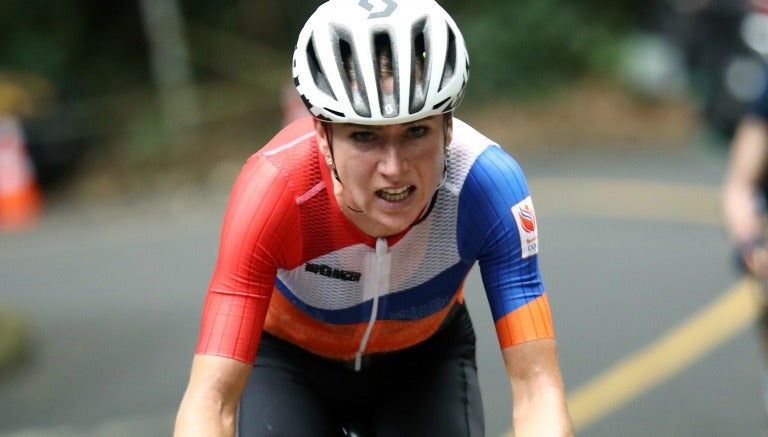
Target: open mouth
{"points": [[395, 195]]}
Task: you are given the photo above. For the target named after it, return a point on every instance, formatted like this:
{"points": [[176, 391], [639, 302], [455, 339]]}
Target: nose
{"points": [[393, 160]]}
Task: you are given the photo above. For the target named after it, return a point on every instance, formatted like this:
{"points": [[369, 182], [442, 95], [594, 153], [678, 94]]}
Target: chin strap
{"points": [[429, 208], [332, 163], [442, 179]]}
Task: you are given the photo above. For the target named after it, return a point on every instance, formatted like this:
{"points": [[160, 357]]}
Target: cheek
{"points": [[438, 163], [440, 170], [357, 170]]}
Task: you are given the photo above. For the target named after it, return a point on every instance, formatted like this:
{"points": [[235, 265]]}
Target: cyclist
{"points": [[337, 296], [744, 195]]}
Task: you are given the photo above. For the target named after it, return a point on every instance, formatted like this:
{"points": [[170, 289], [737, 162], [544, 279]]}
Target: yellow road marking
{"points": [[713, 325]]}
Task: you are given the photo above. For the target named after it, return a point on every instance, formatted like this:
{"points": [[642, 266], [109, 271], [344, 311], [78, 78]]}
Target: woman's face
{"points": [[388, 173]]}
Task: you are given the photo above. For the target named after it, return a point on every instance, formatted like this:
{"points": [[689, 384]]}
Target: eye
{"points": [[362, 136], [417, 131]]}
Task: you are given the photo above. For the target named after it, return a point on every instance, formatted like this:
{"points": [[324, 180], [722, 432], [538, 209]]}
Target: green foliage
{"points": [[525, 48], [37, 38], [93, 47], [517, 48]]}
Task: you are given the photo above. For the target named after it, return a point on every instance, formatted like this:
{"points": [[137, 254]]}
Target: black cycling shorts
{"points": [[430, 389]]}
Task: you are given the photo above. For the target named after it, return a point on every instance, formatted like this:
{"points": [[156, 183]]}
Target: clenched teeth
{"points": [[395, 195]]}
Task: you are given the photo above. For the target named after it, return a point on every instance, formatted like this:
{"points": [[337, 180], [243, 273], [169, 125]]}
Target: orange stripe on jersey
{"points": [[341, 342], [390, 335], [284, 320], [529, 322], [460, 294]]}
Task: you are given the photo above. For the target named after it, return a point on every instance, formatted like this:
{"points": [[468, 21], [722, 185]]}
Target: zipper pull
{"points": [[377, 270]]}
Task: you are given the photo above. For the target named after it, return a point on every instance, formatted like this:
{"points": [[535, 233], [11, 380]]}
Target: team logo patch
{"points": [[525, 218]]}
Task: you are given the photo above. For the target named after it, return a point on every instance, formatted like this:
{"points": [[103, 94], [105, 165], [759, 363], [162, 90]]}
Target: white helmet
{"points": [[416, 32]]}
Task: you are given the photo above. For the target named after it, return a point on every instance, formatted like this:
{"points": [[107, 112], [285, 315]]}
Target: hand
{"points": [[756, 259]]}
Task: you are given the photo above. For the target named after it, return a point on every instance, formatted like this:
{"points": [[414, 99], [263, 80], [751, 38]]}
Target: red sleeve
{"points": [[259, 217]]}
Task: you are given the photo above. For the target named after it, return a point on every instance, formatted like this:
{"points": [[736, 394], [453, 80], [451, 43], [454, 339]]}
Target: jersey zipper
{"points": [[377, 266]]}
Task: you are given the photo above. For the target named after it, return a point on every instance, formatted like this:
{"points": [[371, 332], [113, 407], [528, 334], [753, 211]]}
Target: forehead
{"points": [[426, 120]]}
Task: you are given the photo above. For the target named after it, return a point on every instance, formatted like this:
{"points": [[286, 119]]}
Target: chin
{"points": [[395, 218], [392, 227]]}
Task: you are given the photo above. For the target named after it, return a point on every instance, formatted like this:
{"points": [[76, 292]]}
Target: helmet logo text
{"points": [[384, 8]]}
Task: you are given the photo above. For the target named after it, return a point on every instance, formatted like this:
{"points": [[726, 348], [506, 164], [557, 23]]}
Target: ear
{"points": [[322, 137], [448, 129]]}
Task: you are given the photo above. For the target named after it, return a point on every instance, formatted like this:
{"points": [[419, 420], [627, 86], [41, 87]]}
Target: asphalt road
{"points": [[632, 252]]}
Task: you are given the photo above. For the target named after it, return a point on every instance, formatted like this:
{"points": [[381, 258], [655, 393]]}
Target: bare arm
{"points": [[210, 401], [741, 209], [538, 394]]}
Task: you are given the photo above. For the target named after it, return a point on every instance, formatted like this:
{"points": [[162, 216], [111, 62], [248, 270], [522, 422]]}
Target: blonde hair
{"points": [[384, 63]]}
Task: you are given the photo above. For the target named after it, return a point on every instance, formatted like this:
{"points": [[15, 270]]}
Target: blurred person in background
{"points": [[337, 297], [744, 196]]}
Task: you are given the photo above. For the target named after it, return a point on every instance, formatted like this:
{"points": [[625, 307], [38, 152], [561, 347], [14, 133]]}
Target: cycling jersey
{"points": [[759, 107], [291, 263]]}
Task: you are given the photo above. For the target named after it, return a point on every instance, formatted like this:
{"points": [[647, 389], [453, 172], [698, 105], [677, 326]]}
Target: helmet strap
{"points": [[329, 138], [442, 179]]}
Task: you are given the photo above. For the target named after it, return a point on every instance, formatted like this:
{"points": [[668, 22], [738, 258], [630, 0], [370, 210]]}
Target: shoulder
{"points": [[291, 153], [295, 135], [287, 164], [465, 135], [475, 156]]}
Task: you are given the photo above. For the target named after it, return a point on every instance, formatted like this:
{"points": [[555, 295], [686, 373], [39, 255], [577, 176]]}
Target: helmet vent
{"points": [[450, 60], [351, 74], [386, 80], [440, 104], [318, 76], [419, 63]]}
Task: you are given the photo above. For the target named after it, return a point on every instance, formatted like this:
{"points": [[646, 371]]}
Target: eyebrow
{"points": [[376, 126]]}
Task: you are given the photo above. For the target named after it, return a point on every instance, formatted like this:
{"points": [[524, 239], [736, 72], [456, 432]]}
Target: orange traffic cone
{"points": [[21, 200]]}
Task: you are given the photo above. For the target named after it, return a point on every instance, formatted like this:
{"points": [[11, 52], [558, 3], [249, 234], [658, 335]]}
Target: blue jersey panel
{"points": [[760, 106], [488, 232]]}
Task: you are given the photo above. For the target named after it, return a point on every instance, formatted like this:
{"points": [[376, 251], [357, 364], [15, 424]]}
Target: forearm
{"points": [[538, 393], [210, 402], [204, 417], [544, 414], [741, 185], [744, 223], [741, 213]]}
